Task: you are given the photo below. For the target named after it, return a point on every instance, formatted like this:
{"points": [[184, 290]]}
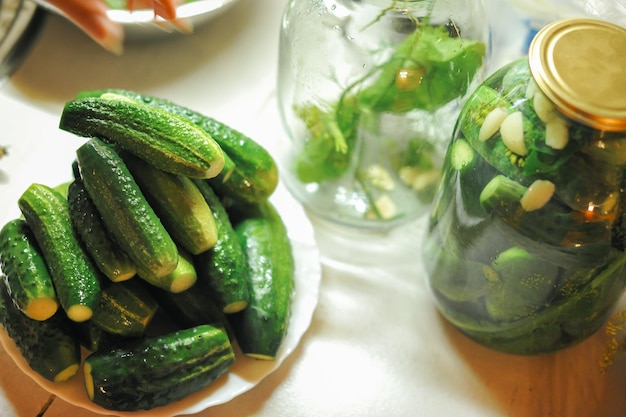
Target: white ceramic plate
{"points": [[246, 373], [138, 25]]}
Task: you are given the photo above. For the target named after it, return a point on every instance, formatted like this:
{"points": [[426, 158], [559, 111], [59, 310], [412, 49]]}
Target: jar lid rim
{"points": [[579, 64]]}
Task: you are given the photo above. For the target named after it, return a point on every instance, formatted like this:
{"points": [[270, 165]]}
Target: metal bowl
{"points": [[139, 24], [20, 23]]}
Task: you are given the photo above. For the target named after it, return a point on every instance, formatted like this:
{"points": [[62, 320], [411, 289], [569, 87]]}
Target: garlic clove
{"points": [[544, 108], [385, 208], [557, 134], [492, 123], [537, 195], [380, 177], [512, 132], [531, 89]]}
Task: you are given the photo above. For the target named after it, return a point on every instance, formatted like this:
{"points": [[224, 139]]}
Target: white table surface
{"points": [[376, 346]]}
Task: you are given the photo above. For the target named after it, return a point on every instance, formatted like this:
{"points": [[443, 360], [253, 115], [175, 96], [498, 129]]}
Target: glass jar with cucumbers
{"points": [[525, 249], [369, 91]]}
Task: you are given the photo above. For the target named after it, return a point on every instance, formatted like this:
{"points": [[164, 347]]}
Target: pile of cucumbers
{"points": [[160, 255]]}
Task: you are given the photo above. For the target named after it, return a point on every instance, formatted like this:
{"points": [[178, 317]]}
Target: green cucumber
{"points": [[581, 180], [245, 181], [455, 278], [157, 371], [124, 209], [49, 347], [179, 204], [554, 223], [473, 173], [26, 273], [223, 266], [93, 337], [112, 261], [462, 156], [165, 140], [260, 328], [525, 285], [250, 173], [191, 307], [75, 277], [180, 279], [125, 308]]}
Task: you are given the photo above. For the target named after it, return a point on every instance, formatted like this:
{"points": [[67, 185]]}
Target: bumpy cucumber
{"points": [[124, 209], [93, 337], [191, 307], [524, 286], [125, 308], [260, 328], [112, 261], [454, 278], [554, 223], [250, 173], [157, 371], [179, 204], [49, 347], [26, 273], [223, 266], [180, 279], [75, 277], [170, 142]]}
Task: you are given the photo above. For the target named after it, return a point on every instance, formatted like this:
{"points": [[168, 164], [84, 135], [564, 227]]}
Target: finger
{"points": [[163, 8], [91, 17]]}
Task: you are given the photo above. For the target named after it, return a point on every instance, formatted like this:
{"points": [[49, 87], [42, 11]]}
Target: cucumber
{"points": [[179, 204], [473, 173], [581, 180], [554, 223], [260, 328], [26, 273], [49, 347], [223, 266], [250, 173], [191, 307], [157, 371], [587, 182], [165, 140], [455, 278], [124, 209], [180, 279], [461, 155], [76, 279], [112, 261], [93, 337], [525, 285], [125, 308]]}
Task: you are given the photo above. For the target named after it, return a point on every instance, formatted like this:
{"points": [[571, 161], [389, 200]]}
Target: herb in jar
{"points": [[430, 68]]}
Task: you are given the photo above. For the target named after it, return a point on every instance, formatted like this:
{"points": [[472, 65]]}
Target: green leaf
{"points": [[328, 151], [428, 70]]}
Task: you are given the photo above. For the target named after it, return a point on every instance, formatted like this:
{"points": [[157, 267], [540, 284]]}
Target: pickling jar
{"points": [[368, 92], [525, 248]]}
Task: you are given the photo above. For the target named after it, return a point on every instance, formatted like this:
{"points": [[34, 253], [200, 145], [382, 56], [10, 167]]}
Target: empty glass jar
{"points": [[525, 251], [369, 91]]}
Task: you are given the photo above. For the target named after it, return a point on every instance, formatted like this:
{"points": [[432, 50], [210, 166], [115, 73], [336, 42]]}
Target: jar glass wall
{"points": [[369, 91], [525, 248]]}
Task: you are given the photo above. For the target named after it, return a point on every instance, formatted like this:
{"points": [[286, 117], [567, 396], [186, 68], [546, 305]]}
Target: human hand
{"points": [[91, 17]]}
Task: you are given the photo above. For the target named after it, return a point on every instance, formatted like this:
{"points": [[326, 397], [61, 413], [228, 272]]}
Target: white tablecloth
{"points": [[376, 346]]}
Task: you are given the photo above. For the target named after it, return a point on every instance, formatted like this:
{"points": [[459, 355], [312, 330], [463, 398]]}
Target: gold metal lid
{"points": [[580, 65]]}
